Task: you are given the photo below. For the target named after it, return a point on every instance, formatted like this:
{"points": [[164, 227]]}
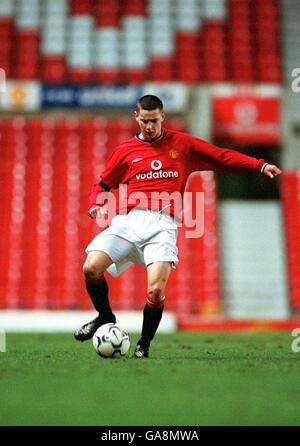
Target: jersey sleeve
{"points": [[206, 156], [111, 178], [114, 173], [94, 197]]}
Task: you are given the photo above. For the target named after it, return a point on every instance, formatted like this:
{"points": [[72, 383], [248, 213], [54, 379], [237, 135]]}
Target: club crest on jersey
{"points": [[173, 154]]}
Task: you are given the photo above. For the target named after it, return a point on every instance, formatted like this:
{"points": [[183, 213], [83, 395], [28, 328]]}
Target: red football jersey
{"points": [[164, 165]]}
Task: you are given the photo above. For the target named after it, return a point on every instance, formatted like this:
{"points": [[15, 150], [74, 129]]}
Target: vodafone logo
{"points": [[156, 164], [157, 172]]}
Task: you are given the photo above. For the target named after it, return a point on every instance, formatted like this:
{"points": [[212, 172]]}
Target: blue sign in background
{"points": [[174, 96], [86, 96]]}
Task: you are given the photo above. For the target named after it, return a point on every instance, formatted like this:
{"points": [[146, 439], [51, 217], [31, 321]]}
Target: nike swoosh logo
{"points": [[136, 160]]}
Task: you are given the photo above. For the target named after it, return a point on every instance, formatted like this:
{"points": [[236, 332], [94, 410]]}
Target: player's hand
{"points": [[271, 171], [96, 211]]}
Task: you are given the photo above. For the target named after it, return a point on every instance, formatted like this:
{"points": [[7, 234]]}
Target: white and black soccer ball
{"points": [[111, 341]]}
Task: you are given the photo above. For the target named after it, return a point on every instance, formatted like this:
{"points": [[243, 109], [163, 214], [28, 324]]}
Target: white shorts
{"points": [[142, 236]]}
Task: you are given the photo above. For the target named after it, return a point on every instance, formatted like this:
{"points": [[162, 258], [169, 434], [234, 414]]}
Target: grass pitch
{"points": [[190, 379]]}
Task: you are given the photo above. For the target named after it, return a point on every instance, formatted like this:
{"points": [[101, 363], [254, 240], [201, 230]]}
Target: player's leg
{"points": [[157, 277], [94, 267], [104, 250]]}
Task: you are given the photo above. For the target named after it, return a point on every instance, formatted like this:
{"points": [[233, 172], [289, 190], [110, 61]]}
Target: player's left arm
{"points": [[211, 157]]}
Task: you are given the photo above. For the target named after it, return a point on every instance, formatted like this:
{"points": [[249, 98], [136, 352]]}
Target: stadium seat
{"points": [[53, 41], [78, 7]]}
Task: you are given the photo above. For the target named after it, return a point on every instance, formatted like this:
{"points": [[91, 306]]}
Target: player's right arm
{"points": [[97, 199], [111, 178]]}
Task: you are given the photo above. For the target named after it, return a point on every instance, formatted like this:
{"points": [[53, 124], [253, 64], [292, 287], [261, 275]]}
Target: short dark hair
{"points": [[149, 102]]}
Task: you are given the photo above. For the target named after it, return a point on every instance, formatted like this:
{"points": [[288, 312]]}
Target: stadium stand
{"points": [[137, 40], [291, 211]]}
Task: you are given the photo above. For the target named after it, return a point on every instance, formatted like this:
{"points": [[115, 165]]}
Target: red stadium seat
{"points": [[106, 75], [190, 73], [107, 20], [26, 56], [53, 69], [81, 6], [133, 7], [161, 69], [80, 75], [133, 74]]}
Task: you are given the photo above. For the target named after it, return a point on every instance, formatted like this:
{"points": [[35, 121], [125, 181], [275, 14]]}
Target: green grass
{"points": [[190, 379]]}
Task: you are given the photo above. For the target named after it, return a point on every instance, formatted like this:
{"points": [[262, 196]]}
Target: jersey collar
{"points": [[151, 140]]}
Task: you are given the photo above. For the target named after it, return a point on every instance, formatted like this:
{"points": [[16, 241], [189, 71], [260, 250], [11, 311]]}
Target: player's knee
{"points": [[155, 296], [92, 273], [158, 303]]}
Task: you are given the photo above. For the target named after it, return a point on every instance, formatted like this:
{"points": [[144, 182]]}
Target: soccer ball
{"points": [[111, 341]]}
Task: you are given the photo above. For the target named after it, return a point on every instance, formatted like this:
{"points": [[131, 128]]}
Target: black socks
{"points": [[98, 293], [152, 318]]}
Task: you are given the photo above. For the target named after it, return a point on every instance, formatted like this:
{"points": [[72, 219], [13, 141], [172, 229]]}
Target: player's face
{"points": [[150, 123]]}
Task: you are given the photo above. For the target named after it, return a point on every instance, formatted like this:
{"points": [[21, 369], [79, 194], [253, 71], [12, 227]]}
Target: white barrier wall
{"points": [[253, 260], [68, 321]]}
